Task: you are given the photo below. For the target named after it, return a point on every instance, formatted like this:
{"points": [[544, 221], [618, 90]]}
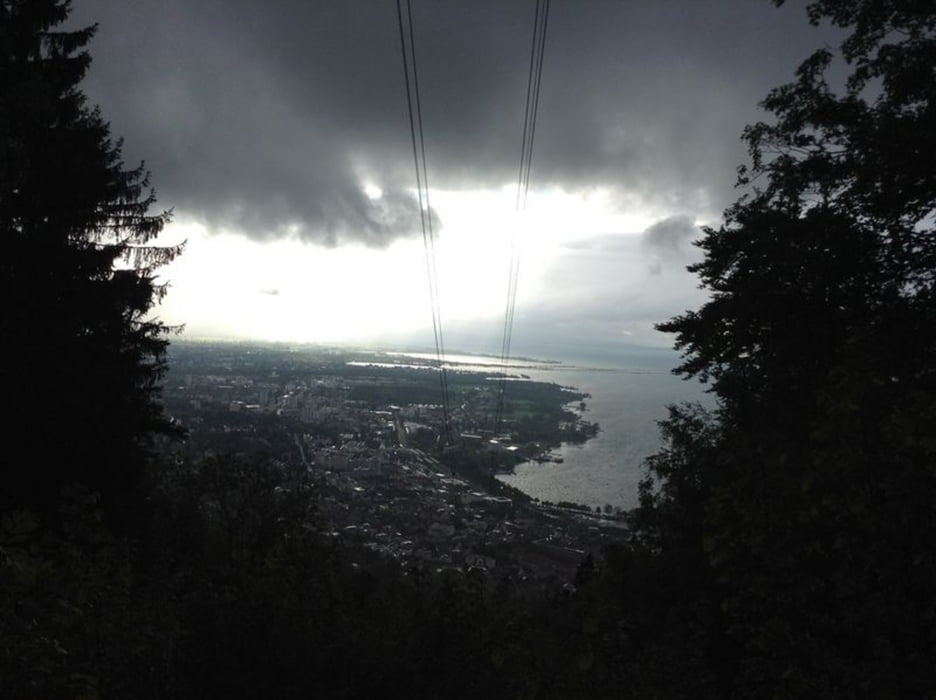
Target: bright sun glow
{"points": [[226, 285]]}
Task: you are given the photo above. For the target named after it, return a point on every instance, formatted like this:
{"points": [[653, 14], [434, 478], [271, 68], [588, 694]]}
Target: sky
{"points": [[277, 133]]}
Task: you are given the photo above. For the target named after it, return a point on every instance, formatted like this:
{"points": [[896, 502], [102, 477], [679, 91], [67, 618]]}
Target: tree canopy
{"points": [[785, 545], [82, 351], [809, 491]]}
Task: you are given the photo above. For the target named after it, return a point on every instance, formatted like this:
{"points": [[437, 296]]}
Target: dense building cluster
{"points": [[370, 439]]}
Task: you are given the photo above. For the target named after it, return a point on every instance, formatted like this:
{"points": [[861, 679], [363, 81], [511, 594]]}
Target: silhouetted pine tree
{"points": [[82, 353]]}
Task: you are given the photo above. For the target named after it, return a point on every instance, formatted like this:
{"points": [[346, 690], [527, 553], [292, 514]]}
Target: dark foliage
{"points": [[785, 544], [81, 353], [808, 498], [234, 593]]}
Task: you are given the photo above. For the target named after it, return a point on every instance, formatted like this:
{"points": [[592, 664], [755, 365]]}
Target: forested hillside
{"points": [[785, 544]]}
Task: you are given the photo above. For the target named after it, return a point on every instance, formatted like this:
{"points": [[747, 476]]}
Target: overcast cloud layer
{"points": [[268, 117]]}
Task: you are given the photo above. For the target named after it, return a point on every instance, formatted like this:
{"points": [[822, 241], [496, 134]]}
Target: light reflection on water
{"points": [[608, 468], [465, 363], [626, 403]]}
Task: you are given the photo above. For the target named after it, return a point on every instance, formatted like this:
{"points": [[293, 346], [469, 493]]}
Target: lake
{"points": [[626, 402], [607, 469]]}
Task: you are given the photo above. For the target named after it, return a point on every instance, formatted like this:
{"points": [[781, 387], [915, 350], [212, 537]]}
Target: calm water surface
{"points": [[626, 402], [606, 470]]}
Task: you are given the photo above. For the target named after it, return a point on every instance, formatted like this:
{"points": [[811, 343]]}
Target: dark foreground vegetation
{"points": [[785, 545]]}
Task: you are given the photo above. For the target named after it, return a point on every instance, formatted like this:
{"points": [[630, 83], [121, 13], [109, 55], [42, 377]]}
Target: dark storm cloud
{"points": [[269, 117], [669, 242], [671, 236]]}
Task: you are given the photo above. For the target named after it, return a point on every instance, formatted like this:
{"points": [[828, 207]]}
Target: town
{"points": [[368, 431]]}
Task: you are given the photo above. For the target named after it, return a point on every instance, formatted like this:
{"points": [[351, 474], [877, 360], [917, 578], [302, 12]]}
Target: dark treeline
{"points": [[785, 544]]}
